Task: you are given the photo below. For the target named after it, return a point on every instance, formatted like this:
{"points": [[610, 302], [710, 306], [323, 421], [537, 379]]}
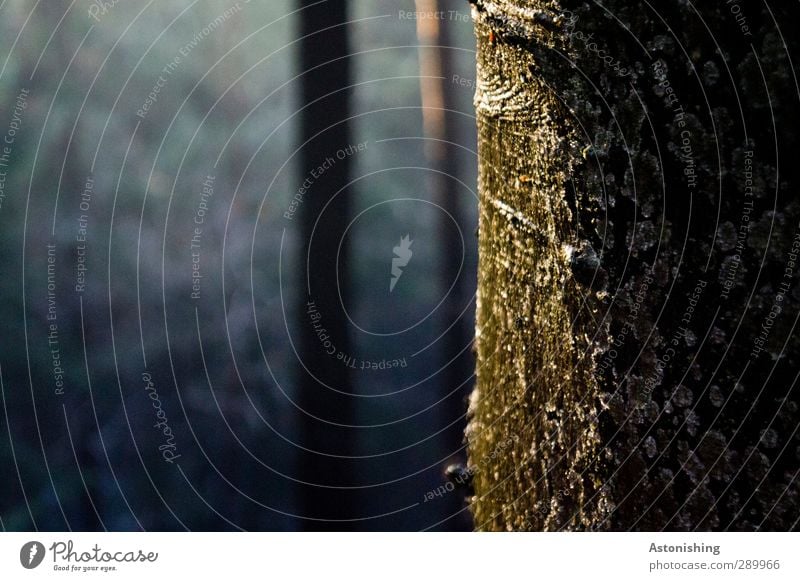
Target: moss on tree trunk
{"points": [[636, 348]]}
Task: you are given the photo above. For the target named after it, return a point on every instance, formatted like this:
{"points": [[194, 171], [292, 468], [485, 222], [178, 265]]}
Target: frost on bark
{"points": [[636, 348]]}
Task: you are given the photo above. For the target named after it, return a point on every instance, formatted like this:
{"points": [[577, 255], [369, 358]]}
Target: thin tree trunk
{"points": [[436, 70], [635, 230]]}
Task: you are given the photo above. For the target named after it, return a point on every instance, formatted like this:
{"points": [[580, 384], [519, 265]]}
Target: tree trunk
{"points": [[438, 111], [326, 401], [637, 278]]}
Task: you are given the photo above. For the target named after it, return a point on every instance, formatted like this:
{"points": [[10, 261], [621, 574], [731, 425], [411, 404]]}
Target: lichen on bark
{"points": [[620, 136]]}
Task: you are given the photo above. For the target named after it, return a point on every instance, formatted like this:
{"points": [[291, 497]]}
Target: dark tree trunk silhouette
{"points": [[638, 292], [327, 408], [438, 109]]}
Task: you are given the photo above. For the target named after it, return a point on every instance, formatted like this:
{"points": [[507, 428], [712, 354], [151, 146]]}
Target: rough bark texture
{"points": [[436, 69], [636, 348]]}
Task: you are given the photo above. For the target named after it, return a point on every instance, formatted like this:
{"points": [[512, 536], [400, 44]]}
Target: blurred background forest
{"points": [[157, 346]]}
